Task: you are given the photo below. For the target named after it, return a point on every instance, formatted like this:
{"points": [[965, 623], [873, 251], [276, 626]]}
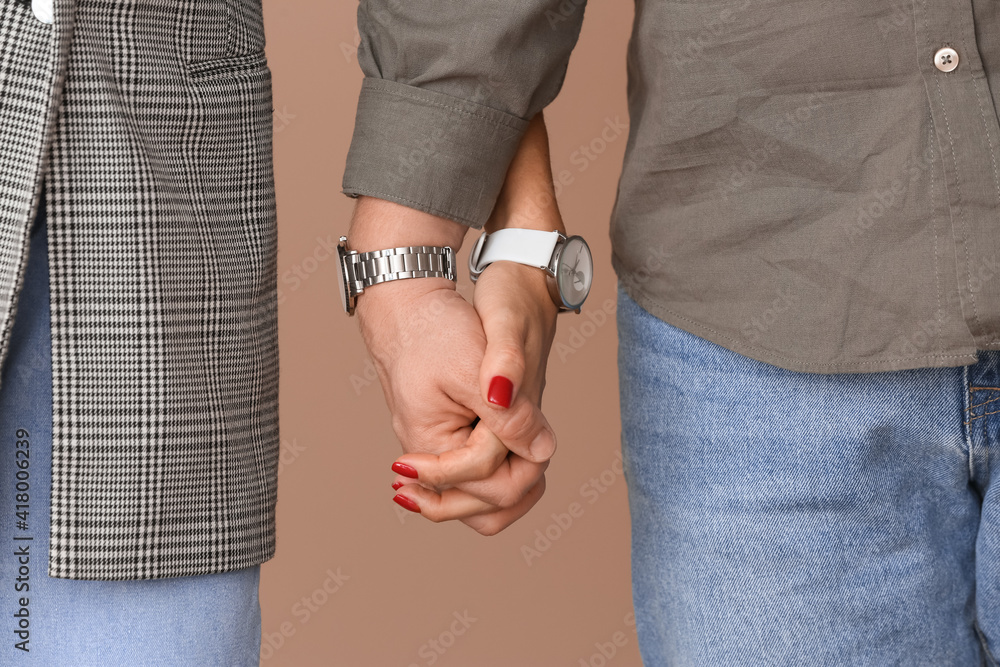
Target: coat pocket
{"points": [[244, 27], [232, 66], [227, 38]]}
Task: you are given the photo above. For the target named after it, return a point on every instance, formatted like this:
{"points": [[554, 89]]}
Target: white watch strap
{"points": [[524, 246]]}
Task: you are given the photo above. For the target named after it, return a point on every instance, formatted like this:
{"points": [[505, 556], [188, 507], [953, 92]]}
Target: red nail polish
{"points": [[404, 470], [396, 486], [406, 503], [501, 390]]}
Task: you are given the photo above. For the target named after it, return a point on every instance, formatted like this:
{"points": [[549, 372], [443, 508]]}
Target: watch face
{"points": [[575, 272]]}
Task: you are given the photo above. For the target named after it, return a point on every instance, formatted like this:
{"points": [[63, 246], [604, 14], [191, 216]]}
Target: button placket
{"points": [[964, 131]]}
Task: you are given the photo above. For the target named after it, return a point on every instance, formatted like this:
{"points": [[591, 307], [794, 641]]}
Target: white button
{"points": [[43, 10], [946, 59]]}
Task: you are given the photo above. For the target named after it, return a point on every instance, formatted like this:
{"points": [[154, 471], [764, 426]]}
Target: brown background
{"points": [[400, 582]]}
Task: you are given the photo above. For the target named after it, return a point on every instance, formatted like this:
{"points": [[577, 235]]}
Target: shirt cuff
{"points": [[430, 151]]}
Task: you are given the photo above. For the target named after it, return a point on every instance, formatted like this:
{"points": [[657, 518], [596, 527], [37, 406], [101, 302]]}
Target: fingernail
{"points": [[396, 486], [406, 503], [501, 389], [544, 445], [404, 470]]}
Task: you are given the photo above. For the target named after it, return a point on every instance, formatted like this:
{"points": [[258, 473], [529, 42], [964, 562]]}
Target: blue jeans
{"points": [[192, 621], [784, 518]]}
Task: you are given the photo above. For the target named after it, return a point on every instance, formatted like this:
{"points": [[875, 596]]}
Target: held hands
{"points": [[464, 362], [499, 475], [464, 381]]}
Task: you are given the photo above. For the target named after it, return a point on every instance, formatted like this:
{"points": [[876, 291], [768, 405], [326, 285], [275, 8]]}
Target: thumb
{"points": [[502, 371], [512, 414]]}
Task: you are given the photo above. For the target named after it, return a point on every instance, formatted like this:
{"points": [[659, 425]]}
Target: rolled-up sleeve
{"points": [[448, 91]]}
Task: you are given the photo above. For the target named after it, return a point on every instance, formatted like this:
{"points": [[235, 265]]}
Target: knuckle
{"points": [[414, 437], [491, 527], [432, 514], [400, 427], [482, 469], [511, 355], [508, 497], [519, 423], [433, 476]]}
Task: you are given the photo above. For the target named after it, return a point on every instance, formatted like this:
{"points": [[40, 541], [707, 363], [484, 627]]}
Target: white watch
{"points": [[567, 261]]}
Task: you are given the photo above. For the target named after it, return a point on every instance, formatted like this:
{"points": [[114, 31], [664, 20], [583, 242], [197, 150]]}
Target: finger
{"points": [[508, 484], [522, 428], [477, 460], [491, 523], [506, 487], [482, 469], [445, 506], [502, 370], [435, 429]]}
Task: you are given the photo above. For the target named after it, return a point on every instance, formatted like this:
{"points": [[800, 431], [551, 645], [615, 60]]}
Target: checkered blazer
{"points": [[149, 122]]}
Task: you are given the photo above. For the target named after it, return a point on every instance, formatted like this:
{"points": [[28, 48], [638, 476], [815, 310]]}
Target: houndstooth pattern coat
{"points": [[149, 122]]}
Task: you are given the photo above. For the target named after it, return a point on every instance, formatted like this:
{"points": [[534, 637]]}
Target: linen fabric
{"points": [[802, 183]]}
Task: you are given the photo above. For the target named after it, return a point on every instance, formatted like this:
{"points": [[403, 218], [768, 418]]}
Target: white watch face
{"points": [[575, 272]]}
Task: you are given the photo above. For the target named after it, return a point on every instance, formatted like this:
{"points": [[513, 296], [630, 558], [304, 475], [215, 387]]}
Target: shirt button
{"points": [[946, 59], [42, 10]]}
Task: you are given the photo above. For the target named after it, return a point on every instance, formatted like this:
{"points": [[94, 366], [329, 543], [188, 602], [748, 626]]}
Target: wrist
{"points": [[396, 297], [526, 286], [528, 199], [378, 224]]}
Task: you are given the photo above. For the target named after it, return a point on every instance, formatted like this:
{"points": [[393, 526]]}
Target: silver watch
{"points": [[356, 271], [567, 261]]}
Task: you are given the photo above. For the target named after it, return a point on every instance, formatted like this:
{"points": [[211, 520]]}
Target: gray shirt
{"points": [[811, 184]]}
